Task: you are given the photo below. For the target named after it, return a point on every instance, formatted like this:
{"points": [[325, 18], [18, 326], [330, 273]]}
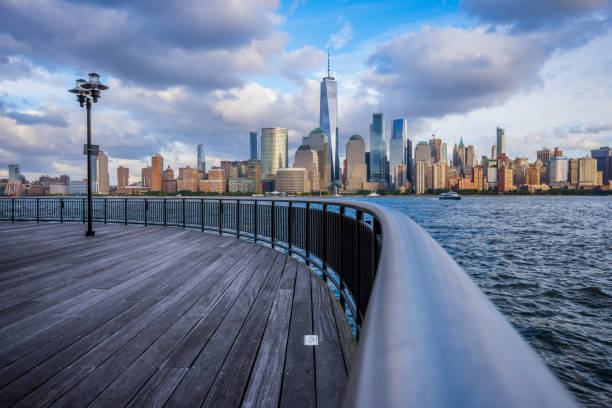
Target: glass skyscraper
{"points": [[377, 147], [14, 172], [274, 150], [500, 142], [396, 146], [253, 139], [201, 164], [328, 121]]}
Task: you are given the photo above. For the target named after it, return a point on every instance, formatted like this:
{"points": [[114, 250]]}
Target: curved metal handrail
{"points": [[430, 337]]}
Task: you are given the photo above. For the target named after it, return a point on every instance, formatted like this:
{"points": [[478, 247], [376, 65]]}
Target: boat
{"points": [[450, 196], [373, 194]]}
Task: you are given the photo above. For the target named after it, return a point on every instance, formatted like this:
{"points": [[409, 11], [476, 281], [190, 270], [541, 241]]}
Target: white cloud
{"points": [[342, 36]]}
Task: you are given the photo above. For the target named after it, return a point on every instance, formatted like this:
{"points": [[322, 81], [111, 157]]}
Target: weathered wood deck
{"points": [[162, 316]]}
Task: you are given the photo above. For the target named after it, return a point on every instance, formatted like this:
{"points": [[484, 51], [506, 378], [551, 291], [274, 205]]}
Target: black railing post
{"points": [[342, 243], [37, 209], [237, 218], [165, 219], [83, 205], [105, 210], [61, 210], [183, 213], [272, 223], [289, 224], [13, 209], [220, 217], [307, 245], [125, 211], [255, 221], [202, 213], [146, 207], [324, 257]]}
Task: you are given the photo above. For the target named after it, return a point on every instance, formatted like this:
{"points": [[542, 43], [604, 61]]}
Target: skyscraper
{"points": [[14, 172], [317, 140], [102, 174], [601, 155], [123, 176], [274, 150], [328, 120], [408, 159], [253, 140], [356, 167], [422, 153], [443, 153], [157, 167], [145, 176], [201, 163], [396, 146], [377, 147], [307, 158], [435, 145], [500, 142]]}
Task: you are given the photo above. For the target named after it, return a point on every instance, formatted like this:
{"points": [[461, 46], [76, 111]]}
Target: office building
{"points": [[587, 171], [157, 167], [188, 179], [308, 158], [397, 151], [399, 176], [602, 155], [102, 180], [274, 150], [253, 144], [544, 155], [500, 147], [572, 173], [77, 187], [492, 176], [243, 185], [504, 179], [58, 189], [317, 140], [494, 152], [408, 159], [558, 153], [356, 167], [201, 160], [520, 165], [14, 172], [123, 177], [328, 122], [434, 146], [443, 153], [532, 176], [169, 184], [377, 148], [470, 157], [419, 176], [145, 175], [478, 178], [422, 153], [292, 180], [215, 183], [558, 170], [439, 176]]}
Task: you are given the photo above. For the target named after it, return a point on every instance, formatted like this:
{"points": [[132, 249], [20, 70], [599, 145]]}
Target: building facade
{"points": [[274, 150], [292, 180], [308, 158], [201, 158], [123, 177], [378, 148], [500, 146], [102, 177], [328, 122], [587, 171], [253, 145], [157, 167], [14, 172], [397, 148], [356, 167], [419, 177]]}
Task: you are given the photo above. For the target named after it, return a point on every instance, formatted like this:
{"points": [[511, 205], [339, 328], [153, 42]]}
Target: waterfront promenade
{"points": [[151, 316]]}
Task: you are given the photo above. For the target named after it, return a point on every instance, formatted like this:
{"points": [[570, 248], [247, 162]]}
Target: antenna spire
{"points": [[328, 62]]}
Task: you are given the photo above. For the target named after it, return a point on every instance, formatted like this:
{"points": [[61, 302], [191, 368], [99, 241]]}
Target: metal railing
{"points": [[430, 337]]}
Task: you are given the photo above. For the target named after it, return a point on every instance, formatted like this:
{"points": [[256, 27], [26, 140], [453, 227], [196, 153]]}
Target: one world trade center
{"points": [[328, 121]]}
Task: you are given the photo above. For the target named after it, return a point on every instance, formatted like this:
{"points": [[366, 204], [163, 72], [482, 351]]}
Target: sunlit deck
{"points": [[152, 316]]}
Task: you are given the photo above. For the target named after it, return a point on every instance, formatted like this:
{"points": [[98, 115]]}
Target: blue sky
{"points": [[208, 72]]}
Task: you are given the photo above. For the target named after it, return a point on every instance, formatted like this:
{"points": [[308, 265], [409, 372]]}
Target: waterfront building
{"points": [[145, 174], [443, 153], [292, 180], [274, 150], [58, 189], [242, 185], [14, 172], [558, 170], [399, 175], [532, 176], [328, 122], [520, 165], [102, 177], [434, 147], [253, 145], [478, 178], [504, 179], [439, 176], [187, 179], [429, 176], [408, 159], [573, 172], [254, 171], [500, 147], [215, 183], [123, 177], [419, 175], [356, 167], [226, 165], [317, 140], [470, 157], [397, 151], [368, 160], [492, 176], [77, 187], [308, 158], [201, 159], [157, 166], [558, 153], [169, 184], [603, 156], [587, 171], [544, 155], [377, 148], [422, 153]]}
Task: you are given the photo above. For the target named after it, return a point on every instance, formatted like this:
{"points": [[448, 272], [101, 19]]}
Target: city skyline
{"points": [[543, 89]]}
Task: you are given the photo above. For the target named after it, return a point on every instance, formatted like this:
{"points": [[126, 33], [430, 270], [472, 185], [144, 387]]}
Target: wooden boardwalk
{"points": [[162, 317]]}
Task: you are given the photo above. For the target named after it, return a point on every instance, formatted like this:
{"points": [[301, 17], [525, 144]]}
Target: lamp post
{"points": [[88, 92]]}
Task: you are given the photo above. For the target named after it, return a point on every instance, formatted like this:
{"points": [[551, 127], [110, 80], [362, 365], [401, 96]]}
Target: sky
{"points": [[189, 72]]}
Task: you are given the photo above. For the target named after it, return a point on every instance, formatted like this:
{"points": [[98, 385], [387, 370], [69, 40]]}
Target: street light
{"points": [[86, 92]]}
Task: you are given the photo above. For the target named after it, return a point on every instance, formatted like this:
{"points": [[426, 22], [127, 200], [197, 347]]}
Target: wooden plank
{"points": [[347, 340], [267, 374], [298, 388], [158, 389]]}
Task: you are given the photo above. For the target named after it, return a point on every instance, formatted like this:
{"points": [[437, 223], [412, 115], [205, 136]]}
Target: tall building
{"points": [[419, 177], [145, 175], [572, 173], [601, 155], [558, 153], [317, 140], [274, 150], [422, 153], [494, 152], [307, 158], [157, 166], [443, 153], [520, 166], [469, 156], [201, 163], [558, 170], [123, 177], [397, 146], [434, 146], [169, 184], [478, 178], [532, 176], [504, 179], [545, 155], [328, 121], [102, 177], [292, 180], [500, 148], [253, 140], [188, 179], [439, 176], [356, 167], [377, 147], [587, 171], [399, 175], [14, 172], [408, 159], [216, 181]]}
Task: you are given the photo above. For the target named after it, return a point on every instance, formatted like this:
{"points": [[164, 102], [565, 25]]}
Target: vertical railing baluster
{"points": [[202, 213], [255, 221], [289, 224], [105, 216], [342, 265], [220, 217], [183, 213], [165, 219], [13, 209], [146, 207], [37, 209], [272, 223], [83, 206], [61, 210], [324, 247], [307, 244], [125, 208], [237, 218]]}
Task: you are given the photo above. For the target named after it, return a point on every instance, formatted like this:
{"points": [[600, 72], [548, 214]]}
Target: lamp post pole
{"points": [[90, 232]]}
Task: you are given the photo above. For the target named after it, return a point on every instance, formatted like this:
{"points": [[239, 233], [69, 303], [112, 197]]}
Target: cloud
{"points": [[37, 119], [342, 36], [527, 15]]}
